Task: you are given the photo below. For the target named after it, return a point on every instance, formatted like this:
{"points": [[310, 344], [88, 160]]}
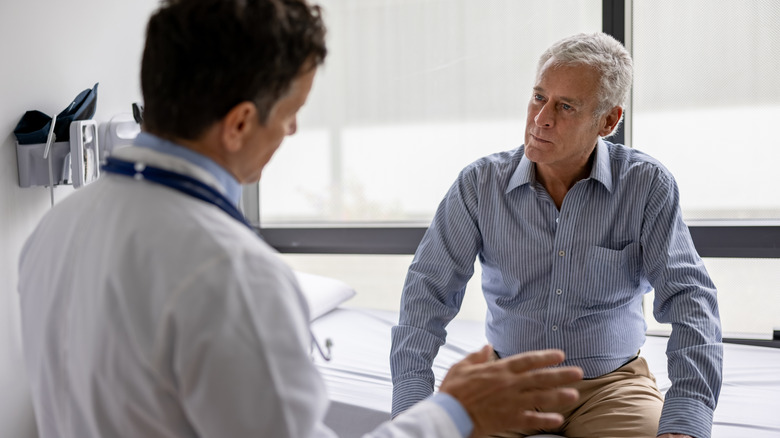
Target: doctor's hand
{"points": [[504, 394]]}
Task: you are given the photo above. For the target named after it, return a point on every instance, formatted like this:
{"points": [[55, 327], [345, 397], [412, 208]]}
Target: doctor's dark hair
{"points": [[204, 57]]}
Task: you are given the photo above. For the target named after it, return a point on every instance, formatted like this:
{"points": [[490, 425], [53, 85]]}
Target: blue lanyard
{"points": [[183, 183]]}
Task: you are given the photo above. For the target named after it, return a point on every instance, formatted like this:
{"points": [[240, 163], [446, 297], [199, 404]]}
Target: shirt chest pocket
{"points": [[612, 274]]}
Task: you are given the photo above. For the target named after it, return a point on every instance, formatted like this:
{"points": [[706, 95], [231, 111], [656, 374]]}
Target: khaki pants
{"points": [[624, 403]]}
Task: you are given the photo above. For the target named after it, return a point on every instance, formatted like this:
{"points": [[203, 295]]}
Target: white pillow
{"points": [[323, 293]]}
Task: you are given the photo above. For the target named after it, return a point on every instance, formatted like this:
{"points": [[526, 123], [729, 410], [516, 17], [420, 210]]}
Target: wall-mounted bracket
{"points": [[72, 162]]}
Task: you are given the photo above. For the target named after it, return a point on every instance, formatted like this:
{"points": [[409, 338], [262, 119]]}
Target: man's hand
{"points": [[502, 395], [674, 435]]}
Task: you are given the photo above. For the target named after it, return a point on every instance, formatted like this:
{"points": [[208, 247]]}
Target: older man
{"points": [[571, 231]]}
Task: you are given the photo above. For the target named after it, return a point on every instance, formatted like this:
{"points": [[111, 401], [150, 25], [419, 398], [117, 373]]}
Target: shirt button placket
{"points": [[558, 292]]}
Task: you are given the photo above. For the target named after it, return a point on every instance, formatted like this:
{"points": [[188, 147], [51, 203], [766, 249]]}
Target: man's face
{"points": [[281, 122], [561, 131]]}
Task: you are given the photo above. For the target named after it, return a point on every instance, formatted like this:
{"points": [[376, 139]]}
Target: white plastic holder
{"points": [[84, 152], [55, 163], [119, 132]]}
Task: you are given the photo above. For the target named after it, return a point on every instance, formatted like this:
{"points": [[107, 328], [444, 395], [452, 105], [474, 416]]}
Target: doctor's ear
{"points": [[237, 125]]}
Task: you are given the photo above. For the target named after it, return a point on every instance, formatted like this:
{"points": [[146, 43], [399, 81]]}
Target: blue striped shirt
{"points": [[571, 279]]}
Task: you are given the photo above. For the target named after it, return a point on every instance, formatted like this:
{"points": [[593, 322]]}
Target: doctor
{"points": [[174, 319]]}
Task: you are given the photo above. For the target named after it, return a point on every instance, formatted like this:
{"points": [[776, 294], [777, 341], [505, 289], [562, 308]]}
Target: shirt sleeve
{"points": [[686, 298], [433, 292]]}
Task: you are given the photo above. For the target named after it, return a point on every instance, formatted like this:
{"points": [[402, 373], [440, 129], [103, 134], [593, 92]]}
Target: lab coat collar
{"points": [[228, 185], [179, 165]]}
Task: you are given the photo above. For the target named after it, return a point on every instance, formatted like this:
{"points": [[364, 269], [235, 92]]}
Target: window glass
{"points": [[747, 291], [411, 92], [414, 90], [706, 102]]}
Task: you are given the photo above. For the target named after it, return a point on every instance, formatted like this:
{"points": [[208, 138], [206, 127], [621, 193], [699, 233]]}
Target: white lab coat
{"points": [[147, 312]]}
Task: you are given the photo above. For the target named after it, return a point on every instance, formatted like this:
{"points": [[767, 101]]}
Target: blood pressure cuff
{"points": [[34, 126]]}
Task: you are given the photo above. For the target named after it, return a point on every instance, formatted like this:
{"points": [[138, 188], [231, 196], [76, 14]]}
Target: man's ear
{"points": [[610, 121], [237, 125]]}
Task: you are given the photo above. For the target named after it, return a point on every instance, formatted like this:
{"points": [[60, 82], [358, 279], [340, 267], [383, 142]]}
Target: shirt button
{"points": [[557, 219], [555, 327], [561, 253], [558, 291]]}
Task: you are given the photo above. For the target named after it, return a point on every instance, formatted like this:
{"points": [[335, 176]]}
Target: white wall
{"points": [[49, 52]]}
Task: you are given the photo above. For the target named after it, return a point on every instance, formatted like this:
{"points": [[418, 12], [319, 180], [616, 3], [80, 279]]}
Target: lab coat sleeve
{"points": [[424, 420]]}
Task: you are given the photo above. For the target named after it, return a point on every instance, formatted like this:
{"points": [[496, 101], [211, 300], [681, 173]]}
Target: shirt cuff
{"points": [[686, 416], [409, 392], [456, 412]]}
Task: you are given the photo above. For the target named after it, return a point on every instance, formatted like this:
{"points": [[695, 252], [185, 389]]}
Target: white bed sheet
{"points": [[360, 386]]}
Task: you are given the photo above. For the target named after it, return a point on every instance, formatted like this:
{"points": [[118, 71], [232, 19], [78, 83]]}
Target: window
{"points": [[412, 91], [706, 103]]}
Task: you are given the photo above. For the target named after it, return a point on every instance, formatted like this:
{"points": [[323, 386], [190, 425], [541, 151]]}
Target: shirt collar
{"points": [[602, 169], [226, 180], [525, 172]]}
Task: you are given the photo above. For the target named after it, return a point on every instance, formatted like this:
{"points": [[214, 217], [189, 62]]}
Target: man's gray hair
{"points": [[606, 55]]}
